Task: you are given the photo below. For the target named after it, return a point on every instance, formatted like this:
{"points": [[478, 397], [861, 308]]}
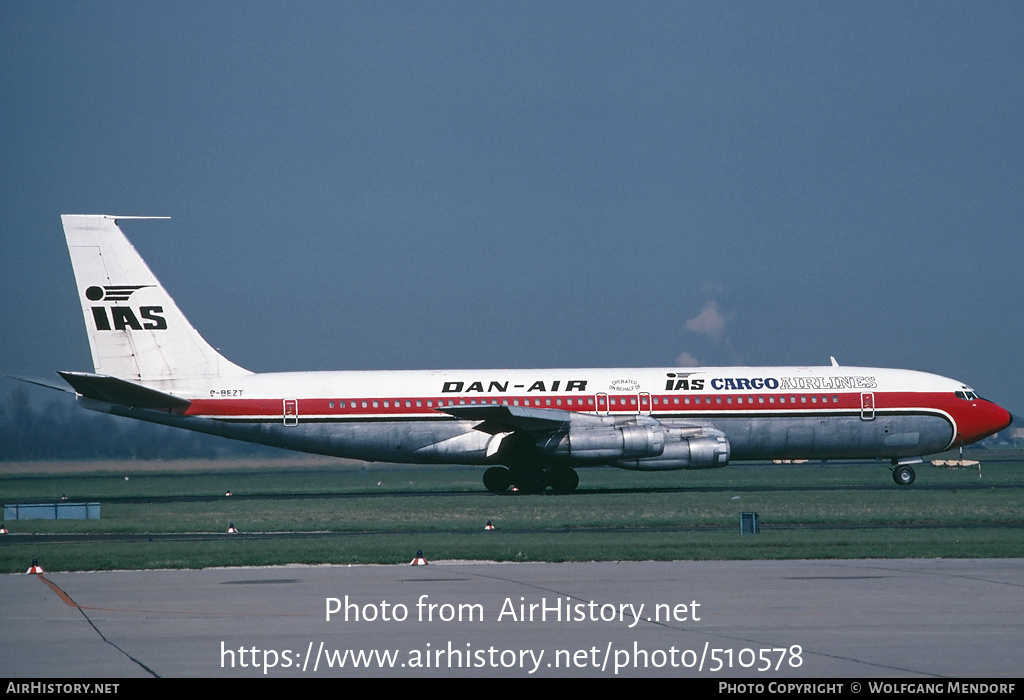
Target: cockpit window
{"points": [[966, 395]]}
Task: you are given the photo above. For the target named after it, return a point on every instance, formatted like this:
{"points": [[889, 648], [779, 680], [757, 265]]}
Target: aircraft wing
{"points": [[508, 419], [120, 391]]}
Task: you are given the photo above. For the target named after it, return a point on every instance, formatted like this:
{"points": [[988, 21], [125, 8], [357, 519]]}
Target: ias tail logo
{"points": [[122, 318]]}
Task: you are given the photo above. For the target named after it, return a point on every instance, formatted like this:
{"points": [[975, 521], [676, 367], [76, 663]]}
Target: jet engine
{"points": [[605, 444], [708, 452], [686, 447], [647, 446]]}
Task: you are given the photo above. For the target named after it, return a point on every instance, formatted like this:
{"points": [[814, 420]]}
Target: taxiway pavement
{"points": [[729, 619]]}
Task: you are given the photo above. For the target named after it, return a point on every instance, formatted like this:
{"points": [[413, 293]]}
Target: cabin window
{"points": [[330, 404]]}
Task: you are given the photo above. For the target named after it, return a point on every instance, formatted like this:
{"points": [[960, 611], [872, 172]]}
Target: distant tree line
{"points": [[60, 429]]}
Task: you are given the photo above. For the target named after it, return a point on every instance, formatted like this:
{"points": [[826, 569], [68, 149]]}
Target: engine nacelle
{"points": [[606, 444], [682, 451]]}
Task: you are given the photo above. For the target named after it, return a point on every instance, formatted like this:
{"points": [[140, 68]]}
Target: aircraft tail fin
{"points": [[136, 331]]}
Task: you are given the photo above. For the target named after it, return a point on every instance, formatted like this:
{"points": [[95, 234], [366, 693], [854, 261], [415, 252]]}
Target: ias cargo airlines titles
{"points": [[532, 426]]}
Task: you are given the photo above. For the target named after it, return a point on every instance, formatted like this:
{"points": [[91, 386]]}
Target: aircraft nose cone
{"points": [[1008, 418], [982, 419], [996, 418]]}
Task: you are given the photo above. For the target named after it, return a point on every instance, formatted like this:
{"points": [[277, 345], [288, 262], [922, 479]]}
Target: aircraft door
{"points": [[291, 412], [645, 403], [867, 406]]}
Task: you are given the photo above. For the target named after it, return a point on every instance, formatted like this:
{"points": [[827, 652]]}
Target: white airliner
{"points": [[532, 426]]}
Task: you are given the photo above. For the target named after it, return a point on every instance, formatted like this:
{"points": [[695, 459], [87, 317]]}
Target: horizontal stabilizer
{"points": [[48, 383], [119, 391], [506, 419]]}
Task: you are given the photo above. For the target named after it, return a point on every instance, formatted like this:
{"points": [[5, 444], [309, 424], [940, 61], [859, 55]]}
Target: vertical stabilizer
{"points": [[136, 331]]}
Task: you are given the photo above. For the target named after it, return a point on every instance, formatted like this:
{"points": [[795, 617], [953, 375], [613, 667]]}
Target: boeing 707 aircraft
{"points": [[534, 427]]}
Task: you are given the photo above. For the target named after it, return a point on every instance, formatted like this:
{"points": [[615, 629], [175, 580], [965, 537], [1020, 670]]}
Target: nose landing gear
{"points": [[903, 475]]}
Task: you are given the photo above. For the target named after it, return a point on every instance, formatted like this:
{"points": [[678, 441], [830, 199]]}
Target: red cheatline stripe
{"points": [[320, 407]]}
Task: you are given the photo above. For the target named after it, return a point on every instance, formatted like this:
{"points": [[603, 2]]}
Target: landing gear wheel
{"points": [[564, 480], [497, 479], [529, 481], [903, 476]]}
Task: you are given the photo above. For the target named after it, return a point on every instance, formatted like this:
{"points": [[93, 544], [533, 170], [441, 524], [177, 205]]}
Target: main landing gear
{"points": [[903, 475], [531, 480]]}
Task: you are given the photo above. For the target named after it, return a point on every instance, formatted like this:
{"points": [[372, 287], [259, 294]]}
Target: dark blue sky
{"points": [[413, 185]]}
